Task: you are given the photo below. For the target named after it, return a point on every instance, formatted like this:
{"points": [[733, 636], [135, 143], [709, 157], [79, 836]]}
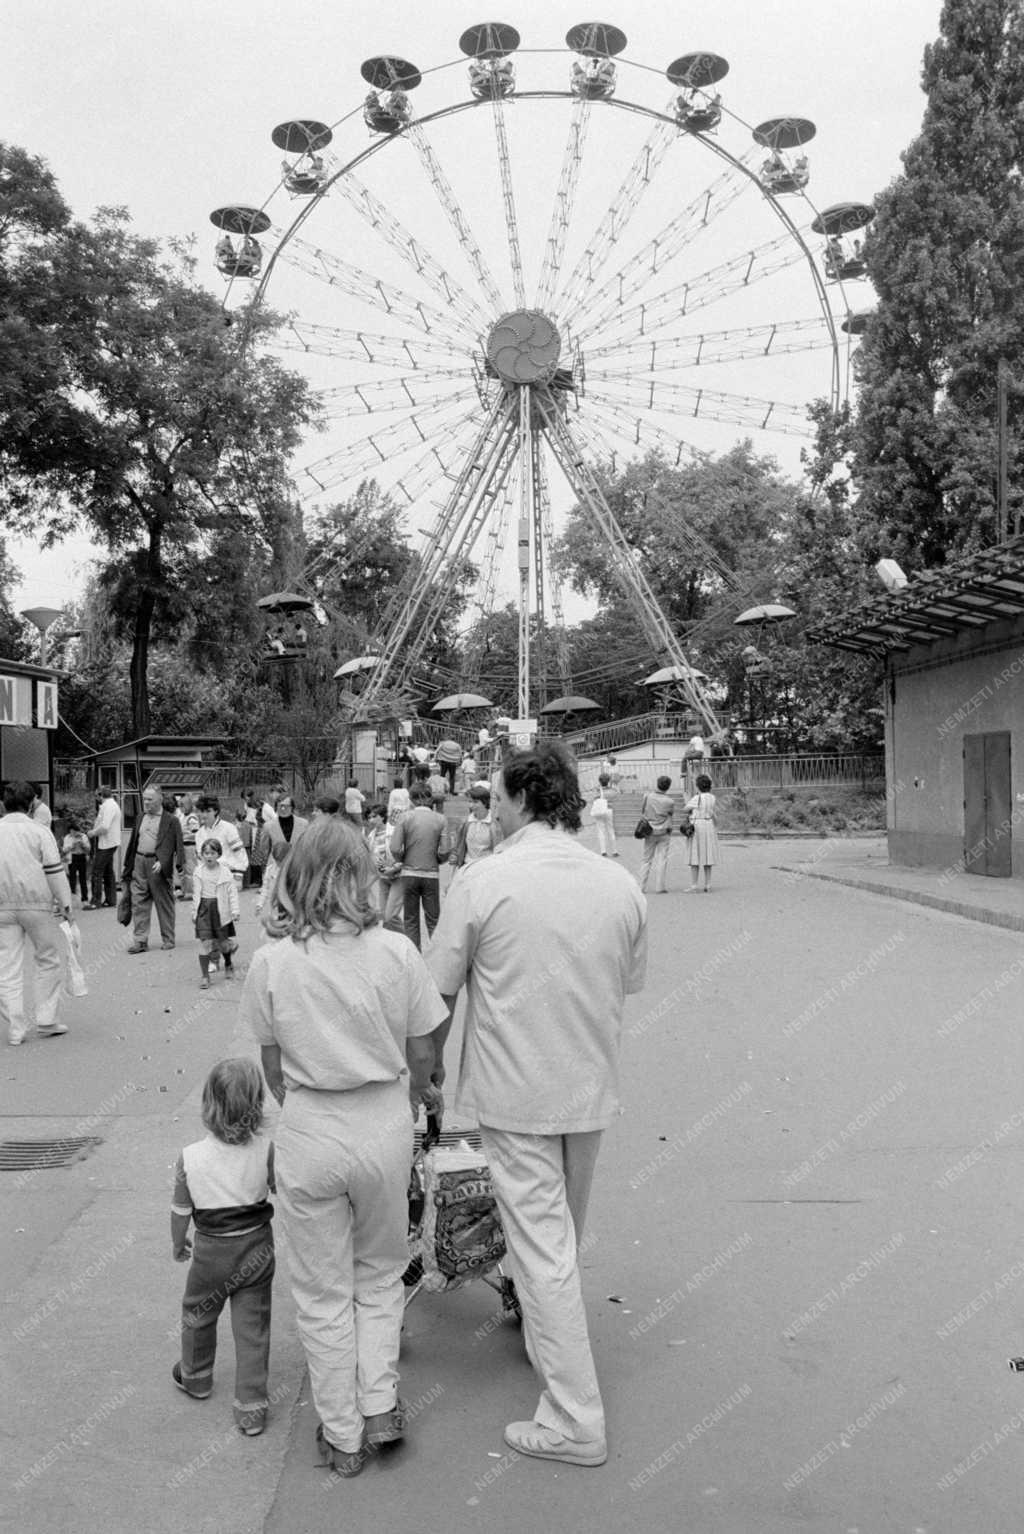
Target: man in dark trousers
{"points": [[155, 849]]}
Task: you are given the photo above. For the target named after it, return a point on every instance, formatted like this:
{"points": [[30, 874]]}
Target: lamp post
{"points": [[42, 618]]}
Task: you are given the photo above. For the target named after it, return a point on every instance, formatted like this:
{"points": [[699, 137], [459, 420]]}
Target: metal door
{"points": [[988, 840]]}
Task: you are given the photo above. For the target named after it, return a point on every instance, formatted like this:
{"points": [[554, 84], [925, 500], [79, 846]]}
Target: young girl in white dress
{"points": [[215, 910]]}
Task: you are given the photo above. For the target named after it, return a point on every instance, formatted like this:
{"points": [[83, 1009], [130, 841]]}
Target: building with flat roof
{"points": [[952, 642], [28, 721]]}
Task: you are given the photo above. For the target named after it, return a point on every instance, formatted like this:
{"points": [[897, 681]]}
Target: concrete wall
{"points": [[935, 695]]}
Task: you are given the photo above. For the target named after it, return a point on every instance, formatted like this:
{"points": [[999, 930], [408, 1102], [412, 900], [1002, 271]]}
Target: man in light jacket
{"points": [[548, 940], [32, 882]]}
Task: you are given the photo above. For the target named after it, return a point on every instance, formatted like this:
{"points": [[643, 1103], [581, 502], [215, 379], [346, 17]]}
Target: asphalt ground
{"points": [[802, 1267]]}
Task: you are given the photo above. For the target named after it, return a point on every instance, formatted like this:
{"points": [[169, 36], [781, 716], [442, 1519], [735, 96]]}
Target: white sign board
{"points": [[16, 700], [46, 705], [521, 733]]}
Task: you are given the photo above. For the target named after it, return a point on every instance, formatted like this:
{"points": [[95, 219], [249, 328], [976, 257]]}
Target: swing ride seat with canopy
{"points": [[470, 388]]}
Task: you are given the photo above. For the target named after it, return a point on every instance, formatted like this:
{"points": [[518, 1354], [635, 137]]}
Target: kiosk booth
{"points": [[28, 721]]}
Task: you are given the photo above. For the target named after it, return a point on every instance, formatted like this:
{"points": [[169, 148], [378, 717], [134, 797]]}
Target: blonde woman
{"points": [[345, 1014]]}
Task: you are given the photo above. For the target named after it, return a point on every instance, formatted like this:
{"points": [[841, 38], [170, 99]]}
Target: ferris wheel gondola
{"points": [[246, 258], [472, 389]]}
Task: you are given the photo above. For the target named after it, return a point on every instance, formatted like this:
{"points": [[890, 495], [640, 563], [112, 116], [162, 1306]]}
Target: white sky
{"points": [[166, 106]]}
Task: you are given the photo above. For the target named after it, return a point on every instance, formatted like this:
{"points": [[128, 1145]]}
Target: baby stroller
{"points": [[455, 1232]]}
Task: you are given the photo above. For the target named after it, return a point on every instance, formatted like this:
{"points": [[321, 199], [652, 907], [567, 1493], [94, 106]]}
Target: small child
{"points": [[222, 1182], [75, 849], [215, 910]]}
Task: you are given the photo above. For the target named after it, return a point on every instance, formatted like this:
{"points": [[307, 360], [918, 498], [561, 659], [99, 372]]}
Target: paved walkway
{"points": [[865, 865], [802, 1272]]}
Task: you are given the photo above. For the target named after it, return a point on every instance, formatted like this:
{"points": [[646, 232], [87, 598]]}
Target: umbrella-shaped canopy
{"points": [[459, 700], [357, 663], [285, 602], [674, 674], [767, 612], [570, 705]]}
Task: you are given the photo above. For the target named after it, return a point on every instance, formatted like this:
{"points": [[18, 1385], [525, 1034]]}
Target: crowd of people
{"points": [[350, 998]]}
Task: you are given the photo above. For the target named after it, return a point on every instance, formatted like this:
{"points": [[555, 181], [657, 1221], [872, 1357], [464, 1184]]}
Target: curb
{"points": [[1007, 919]]}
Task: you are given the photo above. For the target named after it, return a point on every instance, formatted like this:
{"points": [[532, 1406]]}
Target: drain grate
{"points": [[40, 1155]]}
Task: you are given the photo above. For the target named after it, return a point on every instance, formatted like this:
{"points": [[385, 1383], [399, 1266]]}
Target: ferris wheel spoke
{"points": [[709, 287], [401, 240], [740, 345], [383, 445], [451, 539], [557, 639], [357, 283], [624, 564], [487, 582], [651, 260], [419, 352], [509, 202], [446, 452], [416, 391], [708, 557], [624, 204], [453, 211], [565, 198], [710, 404]]}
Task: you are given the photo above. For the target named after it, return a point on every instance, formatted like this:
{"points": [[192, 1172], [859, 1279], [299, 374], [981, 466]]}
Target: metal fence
{"points": [[730, 773]]}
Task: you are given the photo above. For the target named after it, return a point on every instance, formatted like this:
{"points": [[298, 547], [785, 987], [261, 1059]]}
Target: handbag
{"points": [[642, 829], [124, 905]]}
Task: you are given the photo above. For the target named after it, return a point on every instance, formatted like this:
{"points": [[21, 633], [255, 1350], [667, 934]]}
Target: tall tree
{"points": [[155, 429], [946, 256], [12, 628]]}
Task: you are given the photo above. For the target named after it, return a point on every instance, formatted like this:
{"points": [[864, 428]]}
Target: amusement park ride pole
{"points": [[525, 526]]}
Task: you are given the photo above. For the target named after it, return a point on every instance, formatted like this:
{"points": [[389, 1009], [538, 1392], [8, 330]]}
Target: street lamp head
{"points": [[41, 617]]}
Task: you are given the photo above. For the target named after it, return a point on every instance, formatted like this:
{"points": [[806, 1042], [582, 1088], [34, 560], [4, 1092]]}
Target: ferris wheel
{"points": [[509, 268]]}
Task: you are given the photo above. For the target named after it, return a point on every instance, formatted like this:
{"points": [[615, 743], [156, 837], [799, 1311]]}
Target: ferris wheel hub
{"points": [[524, 347]]}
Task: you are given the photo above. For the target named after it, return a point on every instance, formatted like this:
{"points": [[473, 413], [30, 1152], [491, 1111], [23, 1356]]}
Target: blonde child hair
{"points": [[232, 1107]]}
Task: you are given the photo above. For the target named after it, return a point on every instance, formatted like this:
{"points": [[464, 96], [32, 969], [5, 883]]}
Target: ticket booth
{"points": [[174, 763], [28, 723]]}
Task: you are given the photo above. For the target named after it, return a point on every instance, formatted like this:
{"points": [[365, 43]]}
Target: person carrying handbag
{"points": [[703, 847], [657, 809]]}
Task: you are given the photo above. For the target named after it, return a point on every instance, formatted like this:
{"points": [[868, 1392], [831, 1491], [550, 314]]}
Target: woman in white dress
{"points": [[704, 841]]}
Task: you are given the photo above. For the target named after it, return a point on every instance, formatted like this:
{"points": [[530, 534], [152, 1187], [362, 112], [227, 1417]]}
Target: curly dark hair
{"points": [[547, 778]]}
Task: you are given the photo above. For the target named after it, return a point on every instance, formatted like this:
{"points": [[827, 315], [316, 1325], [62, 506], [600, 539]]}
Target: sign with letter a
{"points": [[46, 705]]}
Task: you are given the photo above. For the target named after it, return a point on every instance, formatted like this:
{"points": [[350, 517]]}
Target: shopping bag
{"points": [[461, 1236], [75, 984]]}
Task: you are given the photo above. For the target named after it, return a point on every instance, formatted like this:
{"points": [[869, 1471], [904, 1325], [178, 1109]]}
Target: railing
{"points": [[601, 738], [818, 770]]}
